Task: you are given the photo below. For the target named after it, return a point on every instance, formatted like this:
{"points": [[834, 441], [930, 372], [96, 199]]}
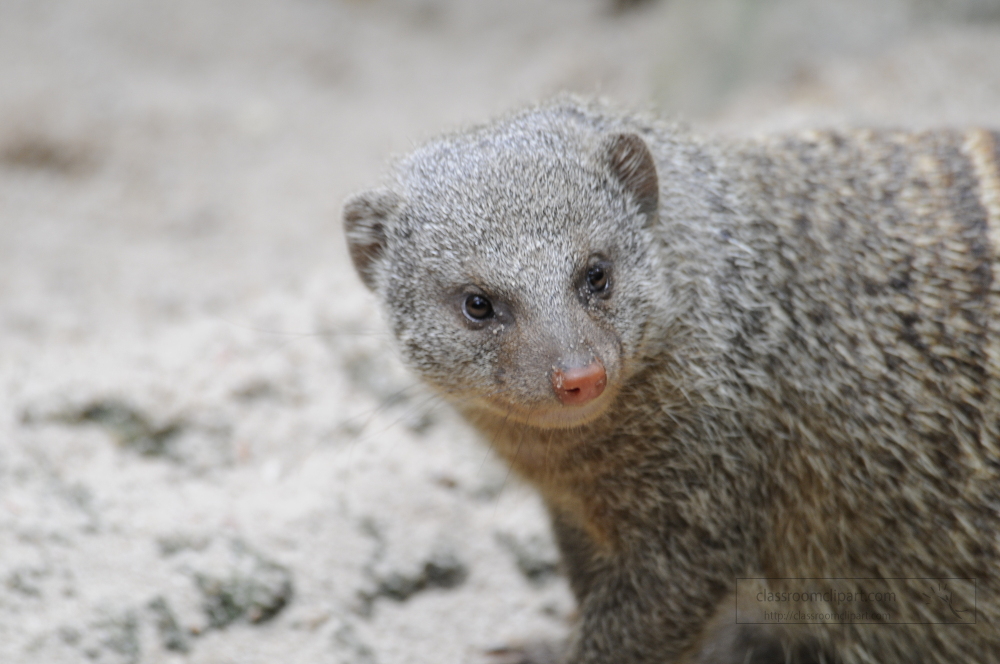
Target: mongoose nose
{"points": [[579, 385]]}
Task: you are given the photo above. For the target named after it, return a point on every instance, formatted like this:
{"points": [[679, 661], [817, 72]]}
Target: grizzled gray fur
{"points": [[770, 359]]}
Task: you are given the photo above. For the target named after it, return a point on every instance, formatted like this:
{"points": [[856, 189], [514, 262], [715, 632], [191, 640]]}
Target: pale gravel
{"points": [[176, 249]]}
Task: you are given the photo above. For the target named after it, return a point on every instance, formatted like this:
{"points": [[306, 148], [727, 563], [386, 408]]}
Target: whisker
{"points": [[411, 409], [524, 433], [386, 403], [495, 438], [548, 448], [312, 333], [432, 398]]}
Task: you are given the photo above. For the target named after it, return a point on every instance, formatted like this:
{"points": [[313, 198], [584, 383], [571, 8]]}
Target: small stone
{"points": [[255, 588], [117, 636], [535, 556], [69, 635], [442, 569], [445, 570], [172, 636], [357, 651]]}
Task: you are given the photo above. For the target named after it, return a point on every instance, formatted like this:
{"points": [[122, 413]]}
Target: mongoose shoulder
{"points": [[728, 366]]}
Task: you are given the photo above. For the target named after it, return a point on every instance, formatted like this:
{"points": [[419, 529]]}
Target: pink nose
{"points": [[579, 385]]}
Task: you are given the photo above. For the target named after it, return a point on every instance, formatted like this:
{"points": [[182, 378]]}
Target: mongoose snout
{"points": [[578, 385]]}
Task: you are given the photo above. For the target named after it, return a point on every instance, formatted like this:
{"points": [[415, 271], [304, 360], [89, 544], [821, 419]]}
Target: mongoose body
{"points": [[721, 363]]}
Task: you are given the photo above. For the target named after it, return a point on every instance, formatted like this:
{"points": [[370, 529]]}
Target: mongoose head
{"points": [[515, 262]]}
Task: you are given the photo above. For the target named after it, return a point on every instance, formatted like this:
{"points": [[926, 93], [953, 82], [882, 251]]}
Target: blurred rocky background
{"points": [[208, 452]]}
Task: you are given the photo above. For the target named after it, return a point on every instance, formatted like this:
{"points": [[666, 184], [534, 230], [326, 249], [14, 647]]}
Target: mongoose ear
{"points": [[632, 163], [365, 218]]}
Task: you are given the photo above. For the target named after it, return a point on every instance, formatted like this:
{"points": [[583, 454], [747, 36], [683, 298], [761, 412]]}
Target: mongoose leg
{"points": [[577, 554]]}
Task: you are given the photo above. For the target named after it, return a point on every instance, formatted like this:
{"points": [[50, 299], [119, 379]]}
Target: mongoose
{"points": [[734, 369]]}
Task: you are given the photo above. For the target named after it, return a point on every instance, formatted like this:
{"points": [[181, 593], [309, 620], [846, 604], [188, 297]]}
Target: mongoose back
{"points": [[738, 371]]}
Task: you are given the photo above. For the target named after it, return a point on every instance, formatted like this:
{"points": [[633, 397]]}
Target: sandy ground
{"points": [[208, 452]]}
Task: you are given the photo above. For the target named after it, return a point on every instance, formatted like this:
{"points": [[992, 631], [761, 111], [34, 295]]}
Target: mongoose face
{"points": [[514, 263]]}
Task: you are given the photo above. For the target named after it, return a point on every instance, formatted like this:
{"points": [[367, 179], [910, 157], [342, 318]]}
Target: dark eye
{"points": [[477, 307], [597, 279]]}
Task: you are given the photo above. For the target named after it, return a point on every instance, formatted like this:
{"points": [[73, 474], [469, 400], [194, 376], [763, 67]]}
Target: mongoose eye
{"points": [[477, 307], [597, 279]]}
